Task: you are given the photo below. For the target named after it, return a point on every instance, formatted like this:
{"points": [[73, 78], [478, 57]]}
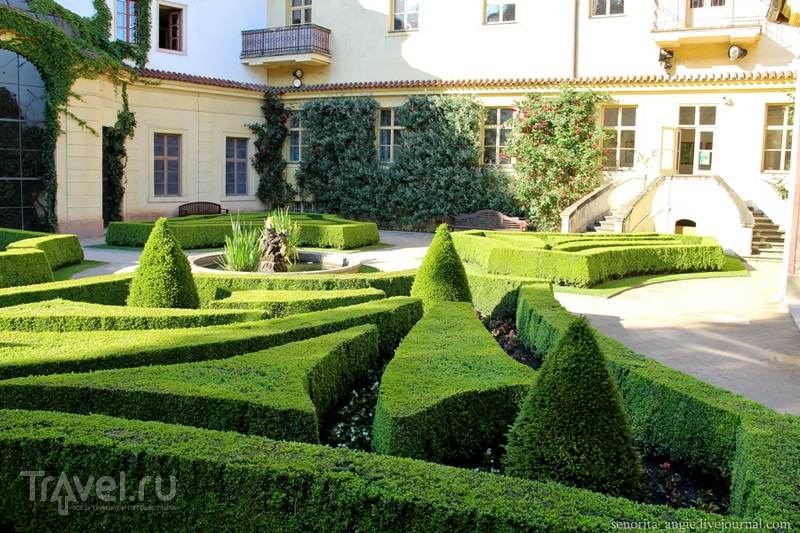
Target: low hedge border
{"points": [[104, 290], [450, 391], [278, 304], [281, 393], [579, 246], [689, 419], [23, 354], [61, 250], [7, 236], [496, 296], [227, 482], [212, 287], [65, 315], [24, 267]]}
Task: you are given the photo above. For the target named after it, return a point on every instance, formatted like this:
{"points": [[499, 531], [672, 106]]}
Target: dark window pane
{"points": [[708, 116], [10, 193], [505, 115], [32, 136], [610, 116], [490, 137], [600, 7], [385, 137], [172, 189], [489, 156], [32, 165], [490, 117], [9, 134], [775, 115], [503, 136], [386, 117], [229, 148], [509, 12], [9, 164], [686, 116], [617, 7], [173, 145], [294, 120], [629, 116], [158, 146], [627, 139], [9, 102], [173, 166], [383, 154], [241, 149]]}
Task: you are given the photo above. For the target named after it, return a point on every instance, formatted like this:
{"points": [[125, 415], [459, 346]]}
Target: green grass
{"points": [[65, 273], [366, 269], [733, 268], [139, 248]]}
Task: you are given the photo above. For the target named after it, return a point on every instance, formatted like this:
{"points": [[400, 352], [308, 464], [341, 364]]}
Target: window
{"points": [[170, 28], [406, 15], [166, 165], [390, 134], [697, 4], [778, 138], [601, 8], [235, 167], [298, 147], [500, 11], [619, 141], [301, 11], [496, 128], [126, 21]]}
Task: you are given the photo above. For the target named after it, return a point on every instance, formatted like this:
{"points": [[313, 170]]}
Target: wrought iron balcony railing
{"points": [[673, 15], [288, 40]]}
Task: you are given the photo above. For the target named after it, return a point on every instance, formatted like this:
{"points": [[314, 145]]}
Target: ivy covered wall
{"points": [[435, 171], [65, 47]]}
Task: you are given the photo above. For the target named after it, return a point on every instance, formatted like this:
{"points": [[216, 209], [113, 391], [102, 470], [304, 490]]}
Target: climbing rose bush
{"points": [[556, 151]]}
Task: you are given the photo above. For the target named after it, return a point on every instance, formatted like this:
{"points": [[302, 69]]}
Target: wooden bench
{"points": [[200, 208], [486, 219]]}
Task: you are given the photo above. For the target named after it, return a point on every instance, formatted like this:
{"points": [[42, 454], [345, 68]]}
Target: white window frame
{"points": [[297, 132], [606, 8], [236, 162], [181, 28], [498, 146], [787, 130], [630, 160], [501, 5], [306, 10], [407, 16], [392, 128]]}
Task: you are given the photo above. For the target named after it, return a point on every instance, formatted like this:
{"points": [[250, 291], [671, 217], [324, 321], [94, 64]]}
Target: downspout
{"points": [[575, 38]]}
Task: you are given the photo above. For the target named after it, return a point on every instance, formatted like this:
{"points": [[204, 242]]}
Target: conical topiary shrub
{"points": [[441, 278], [572, 427], [164, 276]]}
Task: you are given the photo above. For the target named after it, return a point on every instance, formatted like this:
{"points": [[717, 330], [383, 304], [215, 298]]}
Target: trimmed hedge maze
{"points": [[213, 406], [209, 231], [583, 259], [27, 257]]}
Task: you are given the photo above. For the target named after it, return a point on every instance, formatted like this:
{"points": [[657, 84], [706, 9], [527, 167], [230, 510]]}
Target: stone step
{"points": [[763, 257]]}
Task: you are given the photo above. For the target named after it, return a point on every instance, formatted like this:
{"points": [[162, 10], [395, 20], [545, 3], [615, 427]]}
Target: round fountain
{"points": [[306, 263]]}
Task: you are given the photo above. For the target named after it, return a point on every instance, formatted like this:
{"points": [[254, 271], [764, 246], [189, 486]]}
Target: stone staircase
{"points": [[767, 238], [603, 225]]}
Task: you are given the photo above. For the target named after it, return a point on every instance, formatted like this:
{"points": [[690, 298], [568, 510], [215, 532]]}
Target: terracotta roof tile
{"points": [[523, 83]]}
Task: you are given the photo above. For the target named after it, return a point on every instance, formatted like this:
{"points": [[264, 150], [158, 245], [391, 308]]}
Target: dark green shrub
{"points": [[572, 427], [61, 250], [496, 296], [164, 276], [24, 267], [441, 277], [8, 235], [105, 290], [281, 393], [450, 391], [277, 304]]}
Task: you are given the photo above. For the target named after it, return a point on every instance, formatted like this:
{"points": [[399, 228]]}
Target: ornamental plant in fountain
{"points": [[556, 152]]}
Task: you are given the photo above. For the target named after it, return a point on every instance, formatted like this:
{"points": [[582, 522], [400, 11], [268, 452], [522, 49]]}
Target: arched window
{"points": [[22, 115]]}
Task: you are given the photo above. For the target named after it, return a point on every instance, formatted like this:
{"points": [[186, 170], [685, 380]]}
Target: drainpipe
{"points": [[575, 19]]}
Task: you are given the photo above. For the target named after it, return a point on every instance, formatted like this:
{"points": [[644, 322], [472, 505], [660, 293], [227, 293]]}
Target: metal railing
{"points": [[302, 39], [699, 14]]}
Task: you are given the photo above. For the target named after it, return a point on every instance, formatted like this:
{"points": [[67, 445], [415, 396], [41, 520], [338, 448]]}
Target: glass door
{"points": [[708, 13], [696, 130]]}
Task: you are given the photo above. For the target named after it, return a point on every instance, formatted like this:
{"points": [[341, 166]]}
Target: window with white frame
{"points": [[298, 147], [166, 165], [235, 166], [127, 14], [300, 12], [619, 136], [778, 138], [170, 28], [390, 134], [405, 15], [601, 8], [496, 129], [500, 12]]}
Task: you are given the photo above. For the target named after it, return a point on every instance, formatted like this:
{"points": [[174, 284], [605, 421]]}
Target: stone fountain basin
{"points": [[331, 263]]}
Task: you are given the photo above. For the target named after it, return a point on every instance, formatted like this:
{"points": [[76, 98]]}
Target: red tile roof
{"points": [[523, 83]]}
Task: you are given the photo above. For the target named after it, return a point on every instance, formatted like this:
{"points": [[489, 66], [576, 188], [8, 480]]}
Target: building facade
{"points": [[702, 91]]}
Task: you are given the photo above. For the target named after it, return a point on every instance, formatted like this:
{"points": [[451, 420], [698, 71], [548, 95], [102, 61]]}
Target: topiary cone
{"points": [[441, 277], [164, 276], [573, 428]]}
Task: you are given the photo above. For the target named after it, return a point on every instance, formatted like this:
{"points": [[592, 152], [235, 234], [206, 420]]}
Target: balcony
{"points": [[692, 22], [307, 44]]}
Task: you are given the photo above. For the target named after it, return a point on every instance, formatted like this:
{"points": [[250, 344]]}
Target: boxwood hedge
{"points": [[24, 267], [8, 235], [228, 482], [23, 353], [277, 304], [60, 250], [450, 391], [281, 393], [105, 290]]}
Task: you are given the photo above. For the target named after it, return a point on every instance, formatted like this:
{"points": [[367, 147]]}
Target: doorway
{"points": [[696, 130]]}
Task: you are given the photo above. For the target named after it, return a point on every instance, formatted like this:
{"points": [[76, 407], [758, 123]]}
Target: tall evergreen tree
{"points": [[572, 427], [441, 277]]}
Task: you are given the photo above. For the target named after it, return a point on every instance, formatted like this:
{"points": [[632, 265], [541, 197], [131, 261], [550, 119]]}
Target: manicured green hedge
{"points": [[676, 414], [450, 391], [61, 250], [212, 287], [496, 296], [230, 483], [325, 231], [281, 393], [105, 290], [23, 354], [277, 304], [586, 244], [7, 236], [588, 267], [65, 315], [24, 267]]}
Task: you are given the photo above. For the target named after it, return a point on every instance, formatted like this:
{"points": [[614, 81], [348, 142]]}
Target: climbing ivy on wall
{"points": [[268, 160], [116, 157], [435, 172], [65, 47]]}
